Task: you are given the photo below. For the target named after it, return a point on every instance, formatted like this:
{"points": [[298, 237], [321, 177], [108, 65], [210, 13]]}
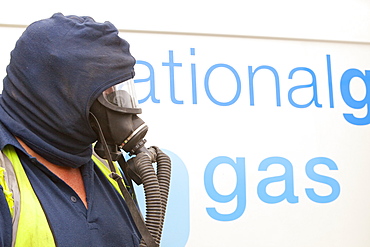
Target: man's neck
{"points": [[71, 176]]}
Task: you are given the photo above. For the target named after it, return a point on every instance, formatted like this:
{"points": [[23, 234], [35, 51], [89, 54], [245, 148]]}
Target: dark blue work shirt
{"points": [[106, 222]]}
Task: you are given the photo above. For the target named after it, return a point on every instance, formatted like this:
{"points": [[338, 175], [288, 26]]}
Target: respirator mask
{"points": [[113, 116], [114, 113]]}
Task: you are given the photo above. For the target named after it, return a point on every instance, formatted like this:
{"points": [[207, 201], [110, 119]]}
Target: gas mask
{"points": [[114, 115]]}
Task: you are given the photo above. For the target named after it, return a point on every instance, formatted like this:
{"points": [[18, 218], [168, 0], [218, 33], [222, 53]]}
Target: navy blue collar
{"points": [[7, 138]]}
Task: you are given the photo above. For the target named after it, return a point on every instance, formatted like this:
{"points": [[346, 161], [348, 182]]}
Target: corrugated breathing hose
{"points": [[156, 188]]}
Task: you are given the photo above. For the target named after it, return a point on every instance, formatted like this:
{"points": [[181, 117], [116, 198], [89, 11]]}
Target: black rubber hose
{"points": [[156, 189], [164, 178], [152, 195]]}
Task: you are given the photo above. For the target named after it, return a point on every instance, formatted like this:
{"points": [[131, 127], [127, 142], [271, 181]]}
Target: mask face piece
{"points": [[114, 113]]}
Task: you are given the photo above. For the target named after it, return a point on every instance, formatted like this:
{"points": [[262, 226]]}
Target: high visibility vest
{"points": [[30, 225]]}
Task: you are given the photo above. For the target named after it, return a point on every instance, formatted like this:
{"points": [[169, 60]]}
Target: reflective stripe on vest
{"points": [[33, 227], [6, 190]]}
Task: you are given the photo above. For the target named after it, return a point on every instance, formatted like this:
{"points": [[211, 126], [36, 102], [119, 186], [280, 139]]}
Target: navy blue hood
{"points": [[58, 67]]}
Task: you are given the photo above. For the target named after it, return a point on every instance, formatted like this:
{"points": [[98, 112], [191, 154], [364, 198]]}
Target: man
{"points": [[58, 68]]}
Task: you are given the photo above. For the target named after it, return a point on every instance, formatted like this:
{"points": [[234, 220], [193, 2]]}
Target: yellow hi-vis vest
{"points": [[30, 225]]}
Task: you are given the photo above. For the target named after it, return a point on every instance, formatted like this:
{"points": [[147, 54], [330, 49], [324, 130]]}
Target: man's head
{"points": [[58, 68]]}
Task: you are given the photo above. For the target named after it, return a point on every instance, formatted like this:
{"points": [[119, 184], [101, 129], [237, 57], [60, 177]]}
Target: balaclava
{"points": [[58, 67]]}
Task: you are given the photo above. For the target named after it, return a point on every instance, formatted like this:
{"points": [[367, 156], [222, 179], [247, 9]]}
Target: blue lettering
{"points": [[322, 179], [193, 79], [239, 191], [345, 84], [330, 81], [287, 177], [350, 101], [251, 86], [151, 80], [313, 85], [238, 84], [171, 64]]}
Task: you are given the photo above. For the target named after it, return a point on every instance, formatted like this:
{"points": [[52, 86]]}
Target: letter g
{"points": [[350, 101]]}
